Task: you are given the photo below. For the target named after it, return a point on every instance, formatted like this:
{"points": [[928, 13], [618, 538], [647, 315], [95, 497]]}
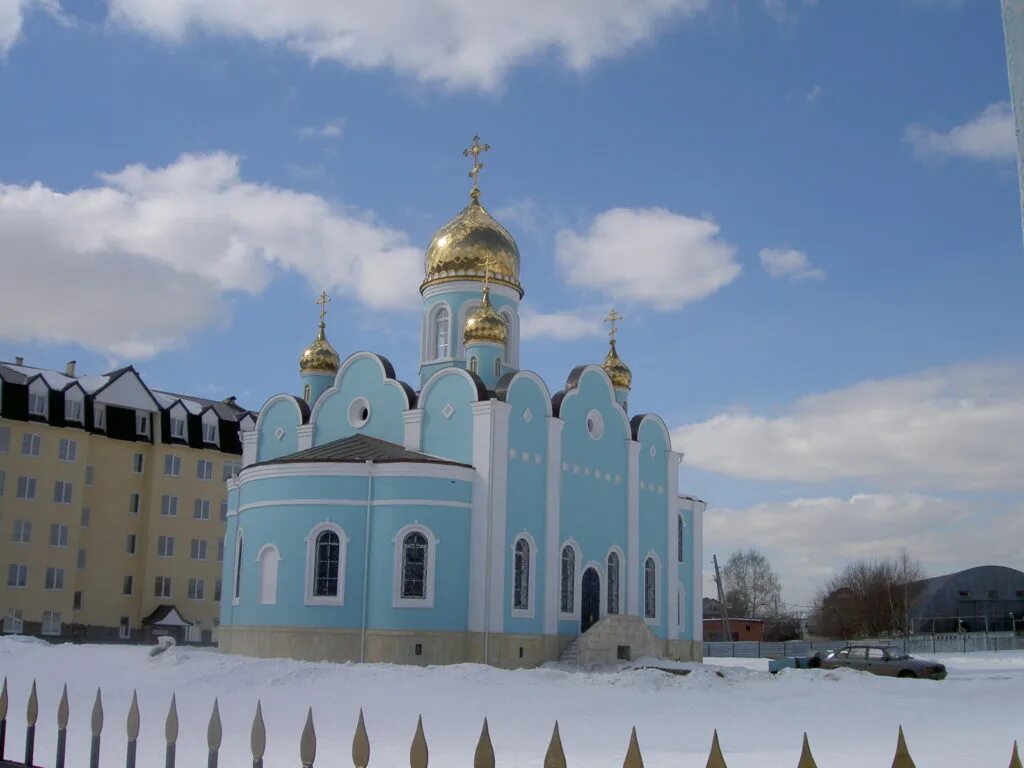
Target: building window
{"points": [[73, 410], [521, 576], [54, 579], [130, 543], [21, 531], [30, 444], [210, 432], [326, 565], [595, 424], [239, 546], [198, 549], [81, 559], [58, 535], [99, 416], [414, 566], [172, 465], [142, 424], [613, 583], [359, 412], [61, 492], [162, 586], [442, 334], [165, 546], [201, 509], [17, 575], [216, 590], [196, 589], [51, 623], [67, 450], [127, 585], [124, 629], [497, 367], [474, 365], [76, 604], [307, 392], [224, 510], [178, 428], [650, 589], [680, 539], [138, 462], [269, 558], [169, 506], [5, 439], [86, 517], [204, 469], [90, 474], [37, 404], [568, 579], [3, 481], [231, 468], [135, 503], [220, 550], [26, 488]]}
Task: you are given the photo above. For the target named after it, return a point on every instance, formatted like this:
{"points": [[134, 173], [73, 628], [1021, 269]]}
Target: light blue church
{"points": [[478, 518]]}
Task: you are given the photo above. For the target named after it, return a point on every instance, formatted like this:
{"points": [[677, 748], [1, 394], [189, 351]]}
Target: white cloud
{"points": [[12, 16], [331, 130], [648, 255], [809, 539], [458, 43], [957, 427], [137, 264], [989, 136], [789, 263], [562, 326]]}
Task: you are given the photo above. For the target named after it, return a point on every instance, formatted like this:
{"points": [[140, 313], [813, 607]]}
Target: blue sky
{"points": [[807, 211]]}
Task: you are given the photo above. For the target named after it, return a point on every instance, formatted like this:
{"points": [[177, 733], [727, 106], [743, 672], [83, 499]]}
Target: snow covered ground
{"points": [[971, 718]]}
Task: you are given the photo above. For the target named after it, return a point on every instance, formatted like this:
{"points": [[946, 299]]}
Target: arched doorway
{"points": [[590, 602]]}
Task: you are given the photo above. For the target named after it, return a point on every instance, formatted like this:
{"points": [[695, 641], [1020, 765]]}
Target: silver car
{"points": [[880, 660]]}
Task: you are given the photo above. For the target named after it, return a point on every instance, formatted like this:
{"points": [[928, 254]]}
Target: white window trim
{"points": [[656, 619], [680, 619], [622, 581], [74, 399], [69, 442], [681, 528], [236, 568], [577, 597], [36, 389], [397, 601], [430, 341], [338, 599], [355, 420], [139, 415], [266, 549], [602, 596], [531, 597]]}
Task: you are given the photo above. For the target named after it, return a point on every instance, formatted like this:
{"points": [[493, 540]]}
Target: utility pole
{"points": [[721, 599]]}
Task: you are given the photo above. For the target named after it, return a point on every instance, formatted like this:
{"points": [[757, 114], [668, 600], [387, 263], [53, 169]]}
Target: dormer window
{"points": [[99, 416], [210, 433], [37, 404], [142, 424], [178, 428], [72, 410]]}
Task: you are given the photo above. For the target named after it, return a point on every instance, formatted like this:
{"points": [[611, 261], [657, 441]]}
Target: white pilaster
{"points": [[552, 524], [483, 457], [697, 593], [633, 566], [304, 436], [672, 460], [499, 509], [250, 440], [413, 421]]}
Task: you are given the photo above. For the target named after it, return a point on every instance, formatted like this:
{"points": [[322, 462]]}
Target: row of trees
{"points": [[867, 598]]}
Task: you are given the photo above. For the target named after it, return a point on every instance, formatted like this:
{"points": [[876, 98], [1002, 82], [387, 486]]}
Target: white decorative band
{"points": [[356, 503]]}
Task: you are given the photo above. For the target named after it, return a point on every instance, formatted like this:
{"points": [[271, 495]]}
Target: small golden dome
{"points": [[471, 245], [484, 324], [320, 356], [618, 371]]}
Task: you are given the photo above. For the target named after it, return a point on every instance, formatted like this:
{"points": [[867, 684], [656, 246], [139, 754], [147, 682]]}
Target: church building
{"points": [[476, 517]]}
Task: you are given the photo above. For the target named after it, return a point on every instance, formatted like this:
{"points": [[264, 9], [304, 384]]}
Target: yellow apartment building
{"points": [[112, 505]]}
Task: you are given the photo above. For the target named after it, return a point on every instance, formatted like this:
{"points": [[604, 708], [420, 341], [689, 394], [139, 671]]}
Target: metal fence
{"points": [[419, 752], [959, 642]]}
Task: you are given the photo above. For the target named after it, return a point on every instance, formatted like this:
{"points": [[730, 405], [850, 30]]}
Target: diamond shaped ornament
{"points": [[279, 433], [447, 411], [527, 415]]}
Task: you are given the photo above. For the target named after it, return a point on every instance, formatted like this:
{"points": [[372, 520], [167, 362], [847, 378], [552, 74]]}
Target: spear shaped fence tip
{"points": [[633, 757], [484, 755], [32, 712], [214, 732], [419, 755], [902, 758], [133, 718], [307, 743], [360, 744], [96, 722], [1015, 758], [806, 758], [3, 701], [555, 757], [716, 759], [62, 710], [258, 735], [171, 724]]}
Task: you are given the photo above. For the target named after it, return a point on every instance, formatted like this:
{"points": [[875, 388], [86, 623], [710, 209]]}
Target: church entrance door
{"points": [[590, 604]]}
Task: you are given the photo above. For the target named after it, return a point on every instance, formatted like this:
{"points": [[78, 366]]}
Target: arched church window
{"points": [[521, 581], [680, 541], [442, 333], [650, 589], [307, 392], [568, 579], [326, 565], [414, 566], [269, 558], [473, 365], [613, 582], [497, 367], [239, 544]]}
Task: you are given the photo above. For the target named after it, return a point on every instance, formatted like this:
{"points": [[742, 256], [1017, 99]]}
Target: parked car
{"points": [[880, 660]]}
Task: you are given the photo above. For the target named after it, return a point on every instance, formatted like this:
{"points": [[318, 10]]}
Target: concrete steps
{"points": [[571, 654]]}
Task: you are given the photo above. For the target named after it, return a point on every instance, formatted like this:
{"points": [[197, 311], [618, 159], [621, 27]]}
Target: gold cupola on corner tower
{"points": [[618, 371], [320, 357], [462, 248], [484, 324]]}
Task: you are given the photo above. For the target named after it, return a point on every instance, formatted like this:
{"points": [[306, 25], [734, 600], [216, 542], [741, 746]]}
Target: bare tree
{"points": [[868, 598], [752, 589]]}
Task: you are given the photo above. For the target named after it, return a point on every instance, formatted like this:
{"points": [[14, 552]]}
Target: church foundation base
{"points": [[684, 650]]}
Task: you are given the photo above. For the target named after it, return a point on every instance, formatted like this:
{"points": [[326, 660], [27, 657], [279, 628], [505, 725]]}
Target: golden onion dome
{"points": [[471, 246], [618, 371], [320, 356], [484, 324]]}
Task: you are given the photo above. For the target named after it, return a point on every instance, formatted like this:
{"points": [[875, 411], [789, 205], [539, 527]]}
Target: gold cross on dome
{"points": [[474, 150], [489, 263], [612, 318], [323, 301]]}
